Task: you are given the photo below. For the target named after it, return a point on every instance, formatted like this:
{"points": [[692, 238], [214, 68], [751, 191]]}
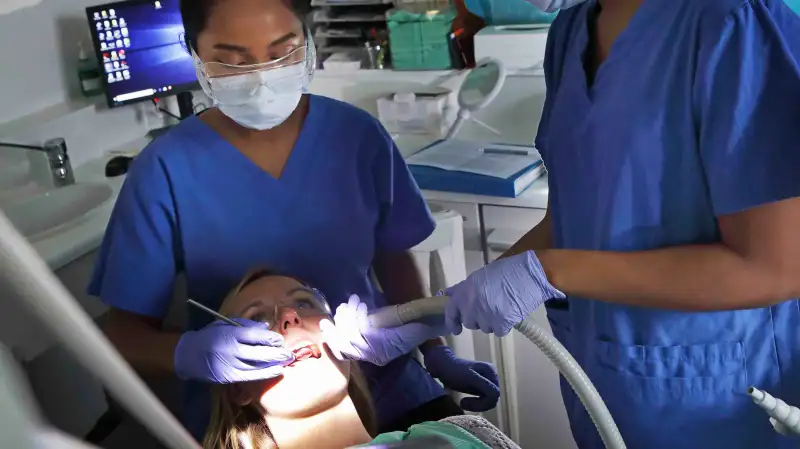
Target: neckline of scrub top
{"points": [[642, 19], [297, 163]]}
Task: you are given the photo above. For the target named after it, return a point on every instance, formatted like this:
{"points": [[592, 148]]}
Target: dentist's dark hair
{"points": [[195, 14]]}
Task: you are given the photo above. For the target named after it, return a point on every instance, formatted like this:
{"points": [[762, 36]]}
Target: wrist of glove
{"points": [[222, 353], [538, 277], [500, 295], [478, 379], [351, 336]]}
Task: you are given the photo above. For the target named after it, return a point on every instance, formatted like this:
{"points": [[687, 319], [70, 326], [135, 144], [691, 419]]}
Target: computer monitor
{"points": [[139, 46]]}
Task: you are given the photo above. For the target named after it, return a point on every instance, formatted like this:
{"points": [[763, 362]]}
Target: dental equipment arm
{"points": [[31, 280], [394, 316]]}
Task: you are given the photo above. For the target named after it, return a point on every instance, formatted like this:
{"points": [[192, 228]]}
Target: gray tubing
{"points": [[394, 316], [578, 380]]}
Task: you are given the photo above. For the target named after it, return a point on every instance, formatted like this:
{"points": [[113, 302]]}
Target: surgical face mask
{"points": [[261, 96], [260, 100], [554, 5]]}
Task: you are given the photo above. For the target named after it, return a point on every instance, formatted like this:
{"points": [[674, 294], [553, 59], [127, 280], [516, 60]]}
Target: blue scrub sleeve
{"points": [[135, 268], [404, 220], [748, 103], [553, 62]]}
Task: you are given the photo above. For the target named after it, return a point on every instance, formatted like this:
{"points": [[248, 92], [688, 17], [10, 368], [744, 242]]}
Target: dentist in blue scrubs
{"points": [[272, 177], [669, 259]]}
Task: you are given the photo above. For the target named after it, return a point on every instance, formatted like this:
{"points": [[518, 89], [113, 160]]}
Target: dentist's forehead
{"points": [[251, 22]]}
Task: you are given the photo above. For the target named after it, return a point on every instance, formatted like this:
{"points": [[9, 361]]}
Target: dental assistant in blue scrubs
{"points": [[271, 177], [669, 259]]}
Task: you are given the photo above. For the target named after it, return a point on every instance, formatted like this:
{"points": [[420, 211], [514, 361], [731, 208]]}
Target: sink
{"points": [[56, 210]]}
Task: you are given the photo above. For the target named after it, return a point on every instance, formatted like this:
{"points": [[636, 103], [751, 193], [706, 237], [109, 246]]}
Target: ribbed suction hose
{"points": [[39, 290], [394, 316]]}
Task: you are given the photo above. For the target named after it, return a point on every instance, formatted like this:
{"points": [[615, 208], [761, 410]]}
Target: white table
{"points": [[535, 197]]}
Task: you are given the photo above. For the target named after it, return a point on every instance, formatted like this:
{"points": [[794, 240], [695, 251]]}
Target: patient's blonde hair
{"points": [[233, 426]]}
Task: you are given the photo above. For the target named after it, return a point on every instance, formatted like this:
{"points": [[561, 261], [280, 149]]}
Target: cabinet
{"points": [[531, 410]]}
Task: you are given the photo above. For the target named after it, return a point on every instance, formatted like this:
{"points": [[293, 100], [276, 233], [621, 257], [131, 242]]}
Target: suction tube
{"points": [[785, 419], [394, 316], [34, 283]]}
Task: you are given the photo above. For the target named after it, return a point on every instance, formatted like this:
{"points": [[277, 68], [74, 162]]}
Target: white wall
{"points": [[38, 50]]}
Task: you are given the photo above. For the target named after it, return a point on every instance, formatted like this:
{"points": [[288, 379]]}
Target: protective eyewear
{"points": [[235, 84], [312, 306], [215, 69], [305, 52]]}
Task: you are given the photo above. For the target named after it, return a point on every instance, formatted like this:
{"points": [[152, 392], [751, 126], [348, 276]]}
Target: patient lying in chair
{"points": [[319, 402]]}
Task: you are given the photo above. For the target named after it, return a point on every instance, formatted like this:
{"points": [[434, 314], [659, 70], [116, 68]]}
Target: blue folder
{"points": [[432, 178]]}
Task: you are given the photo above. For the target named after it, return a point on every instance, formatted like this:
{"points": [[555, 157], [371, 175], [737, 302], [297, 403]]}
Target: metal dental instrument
{"points": [[214, 313]]}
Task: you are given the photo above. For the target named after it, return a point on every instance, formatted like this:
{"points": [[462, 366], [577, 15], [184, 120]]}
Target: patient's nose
{"points": [[288, 317]]}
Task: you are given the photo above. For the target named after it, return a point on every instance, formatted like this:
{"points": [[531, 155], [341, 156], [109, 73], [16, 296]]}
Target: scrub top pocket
{"points": [[689, 389]]}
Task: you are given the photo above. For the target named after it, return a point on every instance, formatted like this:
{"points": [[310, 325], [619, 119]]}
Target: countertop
{"points": [[64, 247]]}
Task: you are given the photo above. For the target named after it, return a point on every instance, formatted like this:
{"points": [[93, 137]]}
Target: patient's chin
{"points": [[306, 388]]}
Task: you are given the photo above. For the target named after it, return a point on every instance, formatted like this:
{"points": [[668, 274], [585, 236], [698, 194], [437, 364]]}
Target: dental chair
{"points": [[22, 425], [116, 428]]}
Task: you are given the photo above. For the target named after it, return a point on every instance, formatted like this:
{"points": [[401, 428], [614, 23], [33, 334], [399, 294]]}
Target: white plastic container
{"points": [[342, 62], [424, 112]]}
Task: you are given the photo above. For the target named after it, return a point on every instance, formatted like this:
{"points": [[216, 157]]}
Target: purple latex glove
{"points": [[222, 353], [354, 338], [500, 295], [464, 376]]}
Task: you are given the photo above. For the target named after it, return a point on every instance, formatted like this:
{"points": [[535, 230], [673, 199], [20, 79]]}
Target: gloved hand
{"points": [[465, 376], [353, 337], [500, 295], [221, 353]]}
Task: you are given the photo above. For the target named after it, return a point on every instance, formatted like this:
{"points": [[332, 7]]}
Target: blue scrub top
{"points": [[695, 114], [193, 204]]}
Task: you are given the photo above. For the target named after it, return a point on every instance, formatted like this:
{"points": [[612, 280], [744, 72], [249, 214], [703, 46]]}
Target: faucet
{"points": [[57, 157]]}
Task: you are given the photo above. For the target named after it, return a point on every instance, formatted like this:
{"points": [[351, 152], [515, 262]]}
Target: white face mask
{"points": [[261, 99], [554, 5]]}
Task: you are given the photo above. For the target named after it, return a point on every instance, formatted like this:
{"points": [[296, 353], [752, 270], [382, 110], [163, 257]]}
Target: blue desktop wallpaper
{"points": [[156, 56]]}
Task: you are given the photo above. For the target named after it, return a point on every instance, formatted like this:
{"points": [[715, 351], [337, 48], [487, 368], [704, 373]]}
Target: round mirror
{"points": [[481, 85]]}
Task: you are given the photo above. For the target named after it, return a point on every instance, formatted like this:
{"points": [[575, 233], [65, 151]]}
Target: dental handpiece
{"points": [[214, 313], [394, 316]]}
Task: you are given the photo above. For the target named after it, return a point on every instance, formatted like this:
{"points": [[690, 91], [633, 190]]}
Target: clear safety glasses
{"points": [[312, 306], [291, 72]]}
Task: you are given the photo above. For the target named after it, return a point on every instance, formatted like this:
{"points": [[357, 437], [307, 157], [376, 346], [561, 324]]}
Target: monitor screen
{"points": [[140, 50]]}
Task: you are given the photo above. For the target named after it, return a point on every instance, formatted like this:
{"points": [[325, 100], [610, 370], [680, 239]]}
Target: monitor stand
{"points": [[185, 110]]}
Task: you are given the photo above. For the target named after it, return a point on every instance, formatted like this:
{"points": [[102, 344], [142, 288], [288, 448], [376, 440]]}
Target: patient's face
{"points": [[309, 384]]}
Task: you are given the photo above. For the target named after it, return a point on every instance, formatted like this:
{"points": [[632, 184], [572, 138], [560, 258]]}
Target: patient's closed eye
{"points": [[304, 303], [261, 317]]}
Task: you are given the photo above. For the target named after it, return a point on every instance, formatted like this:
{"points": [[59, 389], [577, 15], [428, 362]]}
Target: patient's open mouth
{"points": [[306, 352]]}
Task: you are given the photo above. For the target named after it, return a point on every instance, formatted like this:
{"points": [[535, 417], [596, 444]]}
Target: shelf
{"points": [[323, 17], [337, 49], [327, 33], [324, 3]]}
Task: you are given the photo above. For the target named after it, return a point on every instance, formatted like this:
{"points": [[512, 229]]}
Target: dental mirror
{"points": [[480, 87]]}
